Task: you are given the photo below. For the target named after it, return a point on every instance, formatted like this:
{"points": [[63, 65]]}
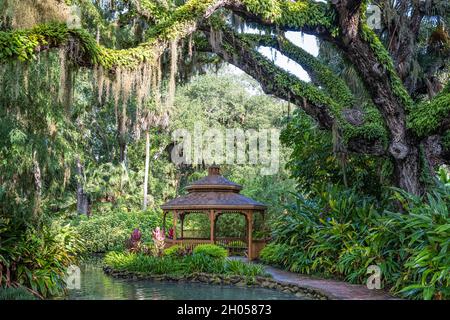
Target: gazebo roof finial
{"points": [[214, 170]]}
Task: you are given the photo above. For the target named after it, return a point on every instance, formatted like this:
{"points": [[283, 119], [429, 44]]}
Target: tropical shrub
{"points": [[275, 254], [211, 250], [104, 232], [238, 267], [342, 236], [423, 239], [37, 259], [135, 244], [178, 251], [184, 265], [142, 263], [203, 263]]}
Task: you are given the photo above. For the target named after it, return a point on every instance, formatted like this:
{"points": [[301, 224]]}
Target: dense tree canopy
{"points": [[403, 65]]}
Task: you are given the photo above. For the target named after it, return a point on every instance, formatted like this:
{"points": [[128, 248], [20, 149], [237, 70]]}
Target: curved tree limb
{"points": [[23, 44], [319, 73], [308, 16], [284, 85], [355, 121]]}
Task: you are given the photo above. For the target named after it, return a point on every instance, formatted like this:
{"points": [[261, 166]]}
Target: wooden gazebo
{"points": [[214, 195]]}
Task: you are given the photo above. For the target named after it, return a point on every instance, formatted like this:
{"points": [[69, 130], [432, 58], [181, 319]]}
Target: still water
{"points": [[95, 284]]}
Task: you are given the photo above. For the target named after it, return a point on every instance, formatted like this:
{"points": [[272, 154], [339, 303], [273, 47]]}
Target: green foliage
{"points": [[238, 267], [177, 250], [446, 140], [19, 293], [104, 232], [425, 237], [313, 164], [142, 263], [428, 115], [175, 26], [293, 14], [39, 122], [155, 10], [320, 73], [38, 259], [203, 263], [341, 234], [227, 101], [170, 265], [22, 44], [210, 250]]}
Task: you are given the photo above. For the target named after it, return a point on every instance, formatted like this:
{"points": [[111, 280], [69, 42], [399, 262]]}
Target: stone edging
{"points": [[217, 279]]}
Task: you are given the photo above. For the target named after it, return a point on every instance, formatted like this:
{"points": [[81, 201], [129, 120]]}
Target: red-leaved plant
{"points": [[134, 243]]}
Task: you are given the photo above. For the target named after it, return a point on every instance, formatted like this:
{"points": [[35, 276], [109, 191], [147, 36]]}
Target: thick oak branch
{"points": [[235, 49]]}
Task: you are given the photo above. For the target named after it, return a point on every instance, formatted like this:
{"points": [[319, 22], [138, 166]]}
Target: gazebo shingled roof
{"points": [[213, 192]]}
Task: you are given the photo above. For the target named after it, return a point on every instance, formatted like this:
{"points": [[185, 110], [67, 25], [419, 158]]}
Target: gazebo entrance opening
{"points": [[219, 201], [231, 232], [194, 225]]}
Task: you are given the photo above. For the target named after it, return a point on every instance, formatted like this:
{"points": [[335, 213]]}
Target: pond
{"points": [[96, 285]]}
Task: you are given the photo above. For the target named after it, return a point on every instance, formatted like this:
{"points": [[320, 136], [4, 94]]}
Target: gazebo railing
{"points": [[186, 242], [234, 245]]}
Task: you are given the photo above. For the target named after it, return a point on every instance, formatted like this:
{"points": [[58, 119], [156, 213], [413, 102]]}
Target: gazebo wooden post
{"points": [[182, 215], [164, 222], [175, 216], [249, 215], [212, 218], [264, 226]]}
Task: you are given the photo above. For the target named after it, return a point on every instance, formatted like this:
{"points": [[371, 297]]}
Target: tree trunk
{"points": [[376, 77], [122, 151], [147, 164], [82, 197], [407, 172], [37, 179]]}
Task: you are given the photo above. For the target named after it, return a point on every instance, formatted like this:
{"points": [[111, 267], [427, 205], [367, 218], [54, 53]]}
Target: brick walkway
{"points": [[333, 289]]}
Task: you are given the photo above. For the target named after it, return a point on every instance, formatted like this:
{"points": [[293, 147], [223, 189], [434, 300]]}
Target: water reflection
{"points": [[96, 285]]}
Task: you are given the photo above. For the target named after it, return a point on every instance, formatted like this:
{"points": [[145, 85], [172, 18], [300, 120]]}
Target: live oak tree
{"points": [[403, 67]]}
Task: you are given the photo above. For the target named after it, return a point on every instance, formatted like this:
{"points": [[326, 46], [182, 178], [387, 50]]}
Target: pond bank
{"points": [[228, 280], [95, 284]]}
